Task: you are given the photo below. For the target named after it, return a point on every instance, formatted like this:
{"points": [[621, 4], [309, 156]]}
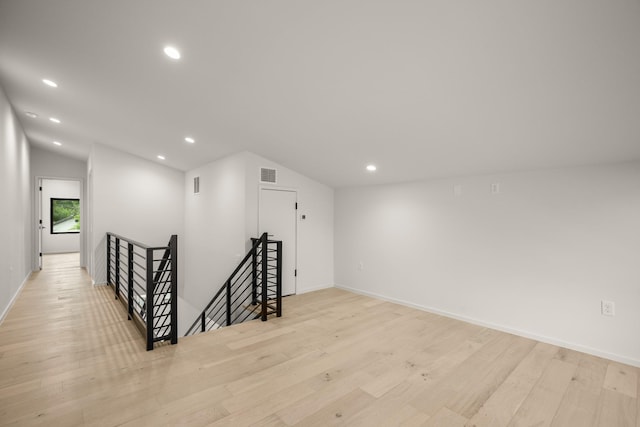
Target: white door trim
{"points": [[37, 213]]}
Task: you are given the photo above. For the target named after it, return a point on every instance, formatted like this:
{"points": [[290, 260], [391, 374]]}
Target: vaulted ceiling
{"points": [[422, 89]]}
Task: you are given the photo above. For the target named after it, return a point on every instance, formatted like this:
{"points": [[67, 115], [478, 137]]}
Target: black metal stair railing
{"points": [[253, 290], [269, 258], [145, 280]]}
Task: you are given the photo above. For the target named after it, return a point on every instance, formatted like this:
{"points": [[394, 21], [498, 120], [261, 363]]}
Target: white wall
{"points": [[315, 233], [15, 213], [214, 227], [536, 259], [135, 198], [48, 164], [187, 314], [58, 189], [222, 218]]}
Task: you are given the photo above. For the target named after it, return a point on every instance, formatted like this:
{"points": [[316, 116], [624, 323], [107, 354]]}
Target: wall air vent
{"points": [[196, 185], [268, 175]]}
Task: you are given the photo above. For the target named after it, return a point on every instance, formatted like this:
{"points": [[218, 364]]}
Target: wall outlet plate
{"points": [[608, 308]]}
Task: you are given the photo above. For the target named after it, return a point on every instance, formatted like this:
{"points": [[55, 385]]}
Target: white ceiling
{"points": [[422, 88]]}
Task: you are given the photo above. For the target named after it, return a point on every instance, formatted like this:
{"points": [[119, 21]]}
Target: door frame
{"points": [[290, 190], [37, 216], [39, 225]]}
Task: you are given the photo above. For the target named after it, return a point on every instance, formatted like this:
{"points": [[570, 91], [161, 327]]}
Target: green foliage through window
{"points": [[65, 216]]}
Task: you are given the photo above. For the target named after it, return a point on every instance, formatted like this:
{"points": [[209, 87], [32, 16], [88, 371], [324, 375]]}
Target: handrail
{"points": [[155, 311], [249, 278], [136, 243], [245, 259]]}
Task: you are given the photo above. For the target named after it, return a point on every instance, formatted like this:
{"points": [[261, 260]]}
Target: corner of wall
{"points": [[13, 299]]}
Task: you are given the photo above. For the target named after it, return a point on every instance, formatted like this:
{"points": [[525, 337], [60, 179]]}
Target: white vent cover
{"points": [[196, 185], [268, 175]]}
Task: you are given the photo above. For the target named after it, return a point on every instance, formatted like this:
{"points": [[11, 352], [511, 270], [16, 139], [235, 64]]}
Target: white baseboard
{"points": [[13, 299], [526, 334], [315, 288], [94, 283]]}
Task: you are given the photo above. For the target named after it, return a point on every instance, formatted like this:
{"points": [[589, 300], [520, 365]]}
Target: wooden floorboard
{"points": [[68, 356]]}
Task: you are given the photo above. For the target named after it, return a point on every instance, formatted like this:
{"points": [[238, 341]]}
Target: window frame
{"points": [[51, 224]]}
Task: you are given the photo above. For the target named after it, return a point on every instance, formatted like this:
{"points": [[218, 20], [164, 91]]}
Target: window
{"points": [[65, 216]]}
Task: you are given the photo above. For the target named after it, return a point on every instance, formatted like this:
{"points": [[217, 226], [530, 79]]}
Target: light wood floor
{"points": [[61, 261], [68, 356]]}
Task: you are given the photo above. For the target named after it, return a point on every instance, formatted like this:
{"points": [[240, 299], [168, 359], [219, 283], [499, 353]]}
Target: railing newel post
{"points": [[264, 275], [228, 285], [109, 259], [149, 299], [204, 321], [254, 274], [279, 279], [173, 244], [117, 287], [130, 283]]}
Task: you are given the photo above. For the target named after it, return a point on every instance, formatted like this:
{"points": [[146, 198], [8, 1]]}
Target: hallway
{"points": [[61, 335], [69, 260], [68, 356]]}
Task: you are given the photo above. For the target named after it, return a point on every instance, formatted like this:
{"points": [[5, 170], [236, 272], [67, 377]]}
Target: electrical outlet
{"points": [[495, 188], [457, 190], [361, 266], [608, 308]]}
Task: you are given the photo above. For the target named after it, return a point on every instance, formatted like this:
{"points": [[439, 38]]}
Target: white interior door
{"points": [[278, 219]]}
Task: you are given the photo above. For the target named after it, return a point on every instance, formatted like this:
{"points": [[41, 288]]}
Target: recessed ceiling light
{"points": [[190, 140], [371, 168], [30, 114], [54, 120], [161, 157], [49, 82], [57, 143], [172, 52]]}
